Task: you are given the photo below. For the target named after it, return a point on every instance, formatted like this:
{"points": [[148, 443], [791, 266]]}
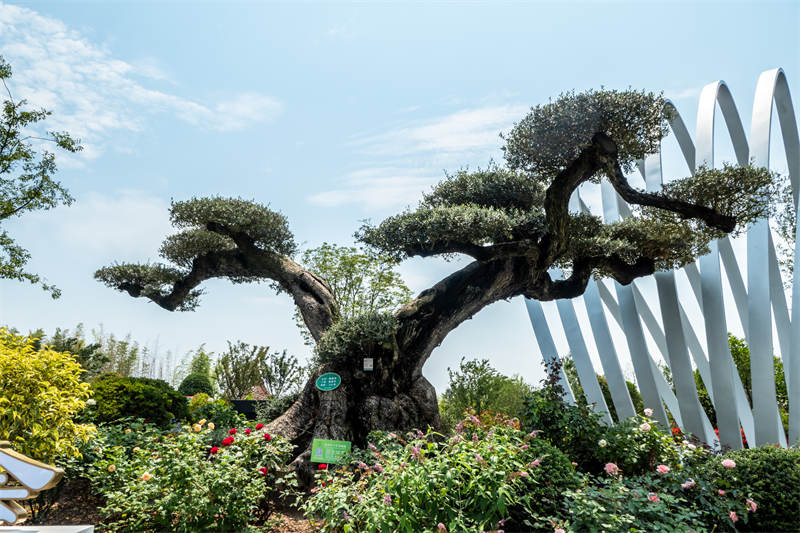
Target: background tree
{"points": [[571, 371], [238, 369], [26, 176], [281, 374], [741, 358], [361, 280], [513, 221], [477, 385]]}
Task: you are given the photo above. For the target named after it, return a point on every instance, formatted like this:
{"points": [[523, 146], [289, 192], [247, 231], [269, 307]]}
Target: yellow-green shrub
{"points": [[40, 394]]}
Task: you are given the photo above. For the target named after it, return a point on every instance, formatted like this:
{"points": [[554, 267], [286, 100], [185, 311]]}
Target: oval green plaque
{"points": [[329, 381]]}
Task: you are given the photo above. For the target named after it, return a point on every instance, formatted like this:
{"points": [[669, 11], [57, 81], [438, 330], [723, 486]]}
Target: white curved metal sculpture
{"points": [[675, 336]]}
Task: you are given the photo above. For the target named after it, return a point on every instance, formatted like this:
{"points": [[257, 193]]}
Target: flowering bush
{"points": [[479, 479], [637, 446], [155, 481], [771, 476]]}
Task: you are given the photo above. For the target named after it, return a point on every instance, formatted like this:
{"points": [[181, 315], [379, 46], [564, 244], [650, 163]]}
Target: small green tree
{"points": [[568, 364], [741, 358], [237, 370], [477, 385], [281, 373], [26, 176], [362, 280]]}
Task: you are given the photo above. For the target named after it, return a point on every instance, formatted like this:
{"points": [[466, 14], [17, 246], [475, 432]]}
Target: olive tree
{"points": [[513, 221]]}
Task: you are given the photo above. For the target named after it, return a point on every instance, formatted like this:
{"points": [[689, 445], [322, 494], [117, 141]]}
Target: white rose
{"points": [[602, 443]]}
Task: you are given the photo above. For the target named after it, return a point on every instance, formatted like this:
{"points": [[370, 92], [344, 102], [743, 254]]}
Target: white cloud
{"points": [[125, 226], [93, 94], [412, 156], [467, 130], [377, 188]]}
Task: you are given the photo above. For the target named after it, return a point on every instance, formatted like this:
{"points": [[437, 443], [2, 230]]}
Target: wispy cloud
{"points": [[407, 159], [683, 94], [92, 93], [378, 188], [467, 130]]}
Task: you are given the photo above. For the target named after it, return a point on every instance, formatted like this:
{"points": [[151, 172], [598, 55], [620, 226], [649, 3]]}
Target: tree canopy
{"points": [[26, 175]]}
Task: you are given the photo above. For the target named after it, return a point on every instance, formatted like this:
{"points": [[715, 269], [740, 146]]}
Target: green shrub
{"points": [[219, 411], [574, 430], [151, 399], [41, 394], [478, 386], [196, 383], [155, 481], [275, 406], [636, 446], [360, 336], [771, 475], [482, 478]]}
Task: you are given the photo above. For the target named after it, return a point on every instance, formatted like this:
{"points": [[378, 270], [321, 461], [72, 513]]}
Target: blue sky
{"points": [[331, 113]]}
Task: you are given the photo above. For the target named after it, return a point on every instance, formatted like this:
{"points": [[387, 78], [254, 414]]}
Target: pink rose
{"points": [[653, 497], [645, 426], [648, 412], [721, 492], [559, 530], [611, 468], [441, 527], [662, 469], [752, 505], [727, 463], [688, 484], [733, 517]]}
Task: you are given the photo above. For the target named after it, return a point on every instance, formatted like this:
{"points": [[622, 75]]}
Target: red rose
{"points": [[247, 431], [259, 426], [267, 437], [213, 450], [323, 483], [263, 470], [232, 431], [322, 466], [227, 441]]}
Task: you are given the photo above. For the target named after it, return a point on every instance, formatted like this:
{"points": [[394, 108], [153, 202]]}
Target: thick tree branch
{"points": [[711, 217], [503, 250], [556, 202]]}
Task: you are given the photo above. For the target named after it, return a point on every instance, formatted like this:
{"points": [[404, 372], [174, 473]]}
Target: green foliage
{"points": [[580, 398], [274, 406], [771, 476], [152, 399], [91, 357], [741, 358], [40, 396], [552, 135], [362, 281], [26, 176], [155, 280], [238, 369], [170, 482], [219, 412], [478, 386], [357, 337], [267, 228], [196, 383], [573, 429], [281, 374], [481, 478]]}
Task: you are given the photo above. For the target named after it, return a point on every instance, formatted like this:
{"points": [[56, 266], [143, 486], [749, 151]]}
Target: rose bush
{"points": [[171, 481]]}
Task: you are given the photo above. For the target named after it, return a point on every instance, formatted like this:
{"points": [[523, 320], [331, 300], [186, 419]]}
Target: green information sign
{"points": [[329, 381], [328, 451]]}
